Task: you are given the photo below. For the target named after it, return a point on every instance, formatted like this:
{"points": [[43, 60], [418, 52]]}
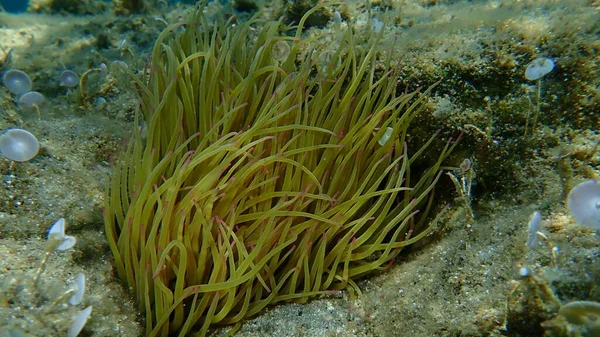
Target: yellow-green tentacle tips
{"points": [[261, 179]]}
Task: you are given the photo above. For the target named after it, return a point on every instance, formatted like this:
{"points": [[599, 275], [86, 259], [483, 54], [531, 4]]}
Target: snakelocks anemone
{"points": [[258, 176]]}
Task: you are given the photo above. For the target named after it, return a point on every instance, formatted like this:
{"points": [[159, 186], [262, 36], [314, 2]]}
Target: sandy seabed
{"points": [[463, 282]]}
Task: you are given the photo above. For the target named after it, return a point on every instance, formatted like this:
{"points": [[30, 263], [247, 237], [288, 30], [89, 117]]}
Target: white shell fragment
{"points": [[534, 227], [57, 232], [19, 145], [79, 290], [584, 203], [386, 136], [79, 322], [538, 68]]}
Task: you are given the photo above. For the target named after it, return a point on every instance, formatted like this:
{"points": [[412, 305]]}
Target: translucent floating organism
{"points": [[13, 332], [538, 68], [337, 19], [100, 103], [79, 322], [524, 272], [280, 51], [30, 99], [376, 25], [16, 81], [585, 313], [584, 203], [103, 68], [534, 227], [69, 78], [79, 286], [19, 145], [57, 233], [386, 136]]}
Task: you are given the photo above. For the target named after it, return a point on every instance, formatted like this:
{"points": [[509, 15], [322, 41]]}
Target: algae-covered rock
{"points": [[126, 7], [294, 10]]}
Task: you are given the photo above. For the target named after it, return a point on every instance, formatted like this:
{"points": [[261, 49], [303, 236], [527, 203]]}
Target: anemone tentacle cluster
{"points": [[262, 178]]}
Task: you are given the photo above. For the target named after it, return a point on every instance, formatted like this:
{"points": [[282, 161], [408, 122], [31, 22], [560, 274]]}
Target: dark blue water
{"points": [[20, 6], [15, 6]]}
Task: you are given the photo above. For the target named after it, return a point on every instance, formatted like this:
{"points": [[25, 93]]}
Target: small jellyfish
{"points": [[100, 103], [103, 68], [16, 81], [69, 78], [19, 145], [337, 19], [376, 25], [280, 51], [30, 99], [79, 285], [534, 226], [57, 234], [584, 203], [386, 136], [79, 322], [538, 68], [583, 313]]}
